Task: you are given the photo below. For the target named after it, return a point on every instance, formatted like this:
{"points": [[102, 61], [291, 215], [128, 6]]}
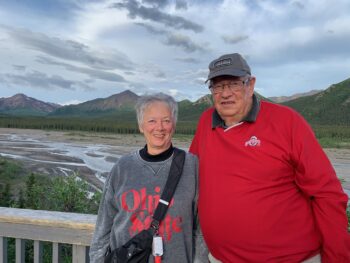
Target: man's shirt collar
{"points": [[250, 117]]}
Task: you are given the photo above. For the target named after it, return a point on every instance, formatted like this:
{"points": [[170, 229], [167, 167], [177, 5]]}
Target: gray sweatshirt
{"points": [[130, 196]]}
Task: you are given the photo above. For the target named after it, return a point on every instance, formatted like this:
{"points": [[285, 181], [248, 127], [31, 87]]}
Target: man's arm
{"points": [[316, 177], [194, 147]]}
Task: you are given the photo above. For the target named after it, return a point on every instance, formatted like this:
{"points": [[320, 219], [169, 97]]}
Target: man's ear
{"points": [[251, 85]]}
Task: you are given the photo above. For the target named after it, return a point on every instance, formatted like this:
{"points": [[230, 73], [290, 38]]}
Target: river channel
{"points": [[93, 155]]}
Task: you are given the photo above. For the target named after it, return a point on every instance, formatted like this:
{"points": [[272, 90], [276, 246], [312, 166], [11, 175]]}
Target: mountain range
{"points": [[282, 99], [21, 104], [117, 105], [330, 106]]}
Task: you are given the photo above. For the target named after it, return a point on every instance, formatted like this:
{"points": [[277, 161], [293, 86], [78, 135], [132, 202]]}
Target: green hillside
{"points": [[120, 105], [125, 114], [26, 111], [191, 111], [329, 107]]}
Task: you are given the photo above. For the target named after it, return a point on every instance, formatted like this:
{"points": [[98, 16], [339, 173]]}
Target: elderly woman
{"points": [[134, 186]]}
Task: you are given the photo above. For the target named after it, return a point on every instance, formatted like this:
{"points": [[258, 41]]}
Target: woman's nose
{"points": [[159, 125]]}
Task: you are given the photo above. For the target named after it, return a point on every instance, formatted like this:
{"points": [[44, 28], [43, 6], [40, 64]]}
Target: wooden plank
{"points": [[38, 251], [56, 252], [20, 249], [47, 218], [79, 254], [59, 227], [56, 227], [3, 249], [47, 233]]}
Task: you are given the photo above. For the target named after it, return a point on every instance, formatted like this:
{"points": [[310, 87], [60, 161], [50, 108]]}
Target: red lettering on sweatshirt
{"points": [[142, 206], [136, 200]]}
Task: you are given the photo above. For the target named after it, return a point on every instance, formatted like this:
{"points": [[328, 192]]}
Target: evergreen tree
{"points": [[71, 194], [30, 195], [5, 196], [36, 191], [21, 200]]}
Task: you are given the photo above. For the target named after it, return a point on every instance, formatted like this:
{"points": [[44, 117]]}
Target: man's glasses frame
{"points": [[232, 85]]}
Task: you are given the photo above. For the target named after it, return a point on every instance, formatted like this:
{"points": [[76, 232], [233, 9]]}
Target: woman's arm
{"points": [[106, 213], [201, 252]]}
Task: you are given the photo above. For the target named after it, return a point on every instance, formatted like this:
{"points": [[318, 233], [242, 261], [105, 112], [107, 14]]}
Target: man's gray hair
{"points": [[144, 101]]}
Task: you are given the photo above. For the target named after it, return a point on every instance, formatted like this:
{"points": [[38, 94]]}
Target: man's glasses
{"points": [[233, 85]]}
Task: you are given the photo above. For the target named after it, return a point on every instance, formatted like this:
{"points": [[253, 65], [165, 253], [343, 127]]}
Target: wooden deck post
{"points": [[56, 252], [79, 254], [38, 251], [3, 249], [20, 246]]}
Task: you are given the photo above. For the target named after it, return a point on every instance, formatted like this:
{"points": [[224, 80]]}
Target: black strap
{"points": [[170, 186]]}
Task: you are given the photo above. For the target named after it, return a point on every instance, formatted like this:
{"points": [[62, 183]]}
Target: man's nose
{"points": [[226, 92]]}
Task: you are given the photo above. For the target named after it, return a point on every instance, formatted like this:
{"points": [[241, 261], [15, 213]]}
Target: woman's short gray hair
{"points": [[144, 101]]}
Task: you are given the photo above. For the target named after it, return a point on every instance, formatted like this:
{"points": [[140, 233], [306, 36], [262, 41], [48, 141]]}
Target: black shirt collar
{"points": [[250, 117], [156, 158]]}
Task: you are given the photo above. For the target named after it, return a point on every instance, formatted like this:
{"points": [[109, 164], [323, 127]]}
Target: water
{"points": [[93, 161], [61, 157]]}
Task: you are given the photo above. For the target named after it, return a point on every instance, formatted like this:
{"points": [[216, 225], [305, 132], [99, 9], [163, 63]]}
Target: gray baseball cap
{"points": [[229, 65]]}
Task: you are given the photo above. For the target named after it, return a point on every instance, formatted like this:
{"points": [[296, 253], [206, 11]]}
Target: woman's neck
{"points": [[145, 155]]}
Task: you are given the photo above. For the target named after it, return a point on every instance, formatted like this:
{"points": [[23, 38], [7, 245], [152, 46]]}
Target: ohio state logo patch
{"points": [[252, 142]]}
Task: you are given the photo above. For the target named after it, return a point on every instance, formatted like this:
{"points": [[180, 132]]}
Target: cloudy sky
{"points": [[69, 51]]}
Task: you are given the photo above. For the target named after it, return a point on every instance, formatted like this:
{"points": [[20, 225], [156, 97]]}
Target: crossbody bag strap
{"points": [[175, 172]]}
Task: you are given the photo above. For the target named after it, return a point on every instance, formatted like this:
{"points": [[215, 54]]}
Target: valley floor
{"points": [[92, 154]]}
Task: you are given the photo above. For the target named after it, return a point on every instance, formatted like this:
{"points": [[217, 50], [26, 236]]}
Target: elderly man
{"points": [[267, 193]]}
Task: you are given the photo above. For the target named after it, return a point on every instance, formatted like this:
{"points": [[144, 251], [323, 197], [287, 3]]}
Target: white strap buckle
{"points": [[163, 202]]}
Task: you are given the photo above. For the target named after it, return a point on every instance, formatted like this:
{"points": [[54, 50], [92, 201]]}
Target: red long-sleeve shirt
{"points": [[268, 192]]}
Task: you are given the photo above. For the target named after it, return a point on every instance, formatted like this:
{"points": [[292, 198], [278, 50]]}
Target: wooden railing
{"points": [[56, 227]]}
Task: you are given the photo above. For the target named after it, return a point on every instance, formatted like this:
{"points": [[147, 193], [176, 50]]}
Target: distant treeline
{"points": [[109, 125], [329, 135], [332, 131]]}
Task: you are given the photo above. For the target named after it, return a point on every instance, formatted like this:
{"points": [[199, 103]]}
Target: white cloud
{"points": [[173, 92], [302, 35], [94, 20], [287, 44], [71, 102], [338, 26]]}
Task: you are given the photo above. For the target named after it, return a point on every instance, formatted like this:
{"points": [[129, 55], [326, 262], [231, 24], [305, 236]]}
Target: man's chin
{"points": [[227, 113]]}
